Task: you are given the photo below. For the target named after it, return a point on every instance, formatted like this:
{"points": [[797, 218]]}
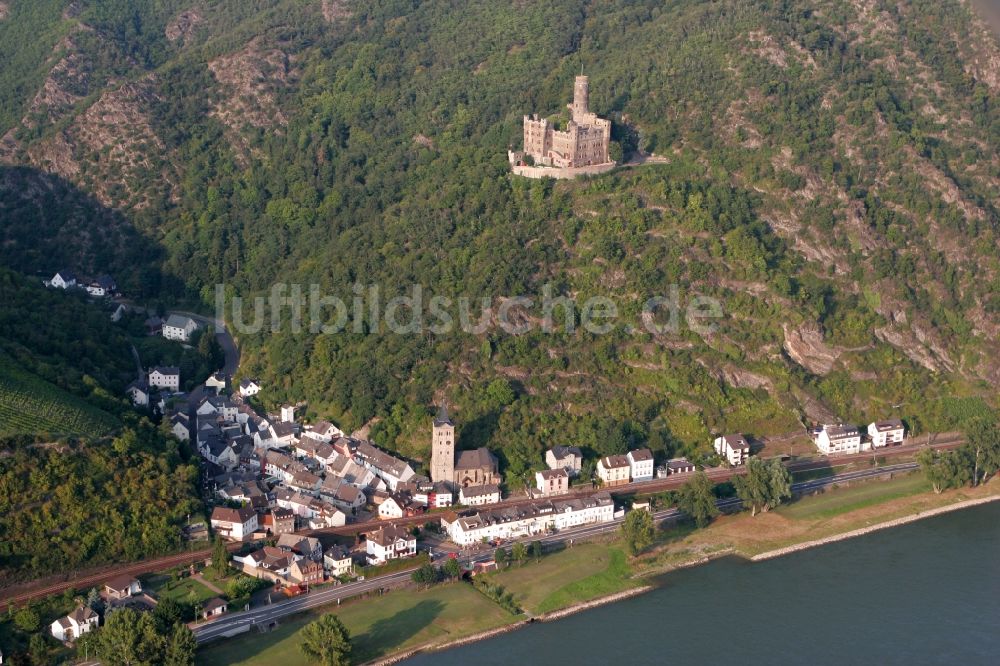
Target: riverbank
{"points": [[874, 528], [408, 622]]}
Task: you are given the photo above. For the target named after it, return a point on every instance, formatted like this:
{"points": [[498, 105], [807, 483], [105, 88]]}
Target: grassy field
{"points": [[842, 500], [581, 573], [186, 590], [31, 405], [400, 620]]}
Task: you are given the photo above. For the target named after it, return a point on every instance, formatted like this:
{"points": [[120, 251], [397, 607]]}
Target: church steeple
{"points": [[443, 447]]}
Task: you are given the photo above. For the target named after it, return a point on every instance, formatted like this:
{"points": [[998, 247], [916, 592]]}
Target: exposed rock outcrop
{"points": [[251, 78], [805, 346], [183, 26]]}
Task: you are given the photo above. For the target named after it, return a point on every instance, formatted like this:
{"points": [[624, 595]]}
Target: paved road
{"points": [[239, 622]]}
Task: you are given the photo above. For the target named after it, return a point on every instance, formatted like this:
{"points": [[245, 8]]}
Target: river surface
{"points": [[923, 593]]}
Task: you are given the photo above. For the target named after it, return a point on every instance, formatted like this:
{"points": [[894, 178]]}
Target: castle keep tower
{"points": [[443, 448], [581, 100]]}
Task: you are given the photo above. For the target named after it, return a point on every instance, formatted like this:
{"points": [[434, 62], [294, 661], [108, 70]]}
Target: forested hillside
{"points": [[831, 176], [63, 363]]}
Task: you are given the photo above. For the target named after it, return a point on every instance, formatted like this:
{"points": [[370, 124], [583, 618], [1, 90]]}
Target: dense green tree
{"points": [[128, 638], [696, 500], [637, 531], [764, 485], [536, 550], [326, 641], [26, 619], [982, 446], [168, 612], [519, 552], [426, 574], [502, 557], [181, 649], [451, 568], [221, 557]]}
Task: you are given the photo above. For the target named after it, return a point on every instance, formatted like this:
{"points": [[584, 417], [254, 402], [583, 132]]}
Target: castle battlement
{"points": [[582, 145]]}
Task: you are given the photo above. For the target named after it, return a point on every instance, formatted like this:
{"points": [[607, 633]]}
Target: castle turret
{"points": [[443, 448], [581, 98]]}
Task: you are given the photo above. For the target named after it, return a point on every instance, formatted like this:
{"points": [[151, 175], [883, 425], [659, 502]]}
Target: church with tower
{"points": [[476, 467]]}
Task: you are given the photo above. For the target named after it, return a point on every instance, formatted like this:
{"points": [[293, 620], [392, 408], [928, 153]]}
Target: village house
{"points": [[249, 387], [214, 607], [884, 433], [641, 464], [63, 280], [528, 519], [81, 621], [165, 377], [840, 438], [569, 458], [304, 546], [216, 381], [279, 521], [679, 466], [338, 562], [179, 426], [325, 515], [342, 494], [122, 587], [138, 393], [355, 474], [103, 285], [234, 524], [305, 572], [479, 495], [269, 563], [326, 431], [179, 327], [388, 468], [733, 448], [552, 481], [389, 543], [119, 310], [613, 470]]}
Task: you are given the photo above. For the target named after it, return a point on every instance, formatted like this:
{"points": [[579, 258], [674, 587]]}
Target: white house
{"points": [[138, 392], [179, 327], [479, 495], [614, 470], [165, 377], [288, 413], [249, 387], [118, 313], [641, 464], [122, 587], [389, 543], [569, 458], [552, 481], [839, 439], [216, 381], [392, 507], [390, 469], [102, 286], [214, 607], [235, 524], [81, 621], [63, 280], [884, 433], [529, 520], [734, 448], [337, 561], [179, 426]]}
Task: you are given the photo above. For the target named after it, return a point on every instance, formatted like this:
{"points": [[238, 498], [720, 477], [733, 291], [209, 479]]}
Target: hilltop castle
{"points": [[581, 148], [470, 468]]}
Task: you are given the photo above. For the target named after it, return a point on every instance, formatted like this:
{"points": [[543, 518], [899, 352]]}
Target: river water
{"points": [[923, 593]]}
